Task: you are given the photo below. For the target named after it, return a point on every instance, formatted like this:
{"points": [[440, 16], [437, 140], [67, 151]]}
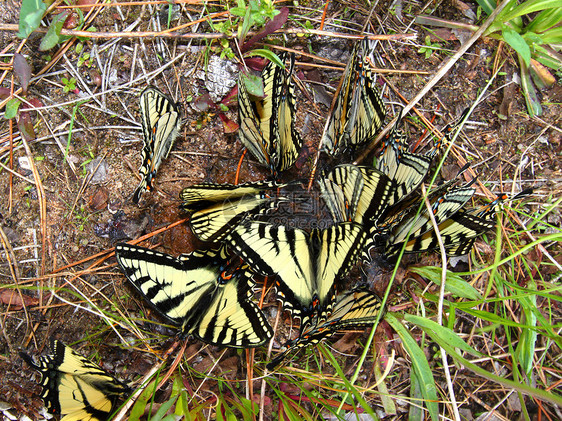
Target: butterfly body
{"points": [[357, 110], [267, 126], [161, 121]]}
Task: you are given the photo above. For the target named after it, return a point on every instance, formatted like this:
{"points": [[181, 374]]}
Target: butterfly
{"points": [[357, 194], [412, 225], [199, 293], [357, 110], [306, 265], [74, 387], [459, 231], [161, 122], [356, 308], [408, 169], [267, 126], [217, 208]]}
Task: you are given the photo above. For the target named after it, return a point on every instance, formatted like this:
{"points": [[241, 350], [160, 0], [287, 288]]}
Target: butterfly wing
{"points": [[286, 141], [407, 170], [217, 208], [282, 251], [357, 193], [217, 221], [254, 118], [415, 225], [200, 196], [179, 289], [354, 309], [337, 250], [161, 121], [195, 293], [75, 387], [357, 110], [232, 318]]}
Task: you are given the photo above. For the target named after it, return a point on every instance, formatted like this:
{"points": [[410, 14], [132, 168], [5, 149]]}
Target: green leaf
{"points": [[165, 407], [545, 20], [552, 36], [527, 341], [271, 56], [12, 107], [433, 329], [548, 58], [31, 13], [454, 284], [420, 365], [517, 42], [253, 84], [52, 37], [532, 101], [530, 6], [487, 5], [245, 27]]}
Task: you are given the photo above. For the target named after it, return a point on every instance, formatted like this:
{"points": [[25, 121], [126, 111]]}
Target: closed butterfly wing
{"points": [[407, 170], [341, 190], [357, 111], [461, 229], [458, 234], [267, 126], [76, 388], [217, 208], [356, 193], [354, 309], [188, 290], [416, 224], [161, 121]]}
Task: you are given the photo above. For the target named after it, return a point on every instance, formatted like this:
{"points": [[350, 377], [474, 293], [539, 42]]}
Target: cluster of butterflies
{"points": [[208, 293]]}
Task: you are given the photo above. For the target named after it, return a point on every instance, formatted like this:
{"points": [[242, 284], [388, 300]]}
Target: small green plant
{"points": [[536, 43], [84, 59], [429, 47], [69, 84]]}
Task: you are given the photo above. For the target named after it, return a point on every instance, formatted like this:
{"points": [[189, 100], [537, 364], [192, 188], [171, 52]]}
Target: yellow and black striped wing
{"points": [[232, 318], [189, 289], [217, 208], [286, 142], [407, 170], [161, 122], [306, 265], [357, 111], [200, 196], [354, 309], [217, 221], [76, 388], [458, 234], [356, 193], [443, 207], [267, 126]]}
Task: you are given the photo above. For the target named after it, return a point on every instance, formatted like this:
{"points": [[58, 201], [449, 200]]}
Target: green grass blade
{"points": [[420, 365], [432, 329]]}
